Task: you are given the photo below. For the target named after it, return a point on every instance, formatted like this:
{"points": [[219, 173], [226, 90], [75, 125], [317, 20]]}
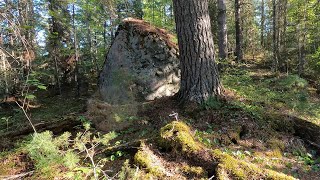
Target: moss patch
{"points": [[229, 167], [145, 158], [179, 136], [194, 171]]}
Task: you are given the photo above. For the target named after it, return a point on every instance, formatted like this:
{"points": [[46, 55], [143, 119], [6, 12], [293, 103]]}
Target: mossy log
{"points": [[178, 137]]}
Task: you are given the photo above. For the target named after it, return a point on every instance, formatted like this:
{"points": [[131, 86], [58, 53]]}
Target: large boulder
{"points": [[142, 64]]}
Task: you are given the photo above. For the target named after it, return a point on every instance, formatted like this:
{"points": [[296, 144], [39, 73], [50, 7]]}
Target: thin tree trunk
{"points": [[284, 37], [5, 68], [239, 37], [199, 73], [275, 43], [88, 19], [302, 50], [262, 23], [54, 45], [95, 42], [75, 46], [278, 30], [222, 26], [57, 74]]}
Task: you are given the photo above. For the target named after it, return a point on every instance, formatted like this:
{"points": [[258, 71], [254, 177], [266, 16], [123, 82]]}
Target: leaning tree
{"points": [[199, 74]]}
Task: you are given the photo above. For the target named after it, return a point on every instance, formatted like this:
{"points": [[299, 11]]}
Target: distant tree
{"points": [[199, 74], [222, 32], [262, 23], [275, 36], [239, 36]]}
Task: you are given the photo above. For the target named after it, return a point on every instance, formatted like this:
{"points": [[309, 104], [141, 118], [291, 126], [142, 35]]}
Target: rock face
{"points": [[142, 64]]}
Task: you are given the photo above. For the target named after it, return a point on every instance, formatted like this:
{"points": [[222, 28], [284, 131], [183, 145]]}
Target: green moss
{"points": [[276, 153], [145, 159], [128, 173], [178, 134], [194, 171], [228, 164], [238, 169]]}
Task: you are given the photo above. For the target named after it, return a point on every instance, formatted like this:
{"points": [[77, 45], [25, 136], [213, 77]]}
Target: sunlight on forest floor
{"points": [[263, 90], [240, 129]]}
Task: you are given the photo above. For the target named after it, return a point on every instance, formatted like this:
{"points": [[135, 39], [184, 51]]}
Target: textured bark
{"points": [[199, 75], [222, 26], [238, 30]]}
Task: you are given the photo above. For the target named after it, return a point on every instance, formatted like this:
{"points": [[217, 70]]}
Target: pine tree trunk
{"points": [[282, 31], [275, 36], [238, 30], [88, 24], [302, 46], [199, 75], [222, 26], [75, 46], [262, 23]]}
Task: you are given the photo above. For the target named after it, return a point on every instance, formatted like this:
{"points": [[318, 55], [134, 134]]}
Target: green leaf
{"points": [[112, 157], [30, 96], [42, 87]]}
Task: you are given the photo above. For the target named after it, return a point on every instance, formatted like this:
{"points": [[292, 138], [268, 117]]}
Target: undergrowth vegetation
{"points": [[238, 137], [262, 91], [63, 156]]}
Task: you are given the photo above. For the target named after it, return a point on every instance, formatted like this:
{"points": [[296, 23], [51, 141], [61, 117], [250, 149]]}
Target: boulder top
{"points": [[145, 28]]}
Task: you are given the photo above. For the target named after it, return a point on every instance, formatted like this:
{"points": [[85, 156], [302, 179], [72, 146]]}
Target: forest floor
{"points": [[263, 128]]}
